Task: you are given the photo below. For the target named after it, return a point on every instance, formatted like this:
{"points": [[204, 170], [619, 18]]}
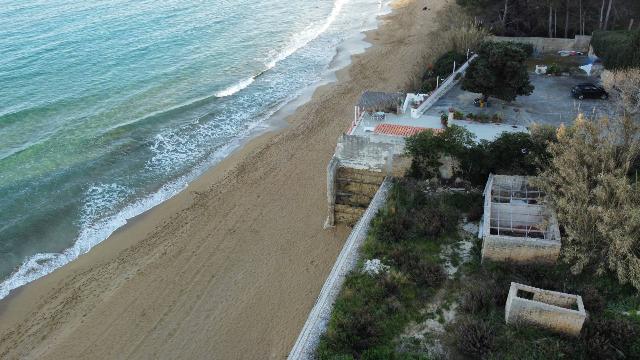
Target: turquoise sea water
{"points": [[107, 108]]}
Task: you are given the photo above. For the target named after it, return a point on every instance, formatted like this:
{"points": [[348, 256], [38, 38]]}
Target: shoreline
{"points": [[265, 247], [352, 45]]}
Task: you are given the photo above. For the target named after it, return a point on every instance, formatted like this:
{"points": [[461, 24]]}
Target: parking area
{"points": [[550, 103]]}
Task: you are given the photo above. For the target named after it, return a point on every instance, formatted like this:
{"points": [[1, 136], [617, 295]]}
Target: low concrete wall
{"points": [[544, 45], [520, 250], [316, 324], [548, 309]]}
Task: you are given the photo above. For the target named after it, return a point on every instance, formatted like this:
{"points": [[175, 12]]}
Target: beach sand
{"points": [[230, 267]]}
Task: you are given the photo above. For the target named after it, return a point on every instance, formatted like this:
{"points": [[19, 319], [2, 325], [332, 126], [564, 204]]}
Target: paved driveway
{"points": [[550, 103]]}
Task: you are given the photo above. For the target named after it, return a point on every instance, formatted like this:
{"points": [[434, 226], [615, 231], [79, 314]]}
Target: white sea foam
{"points": [[102, 198], [297, 42], [309, 34], [239, 86], [168, 148]]}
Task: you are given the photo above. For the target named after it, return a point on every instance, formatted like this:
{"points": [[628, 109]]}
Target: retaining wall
{"points": [[549, 309], [305, 346], [542, 45], [520, 250]]}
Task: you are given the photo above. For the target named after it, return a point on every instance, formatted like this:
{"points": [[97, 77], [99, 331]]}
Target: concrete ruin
{"points": [[356, 171], [552, 310], [517, 224]]}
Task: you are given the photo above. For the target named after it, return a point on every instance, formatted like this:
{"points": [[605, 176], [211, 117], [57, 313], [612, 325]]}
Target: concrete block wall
{"points": [[544, 45], [560, 312], [520, 250]]}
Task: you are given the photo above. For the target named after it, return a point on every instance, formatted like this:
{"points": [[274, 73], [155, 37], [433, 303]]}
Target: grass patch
{"points": [[483, 294], [407, 235]]}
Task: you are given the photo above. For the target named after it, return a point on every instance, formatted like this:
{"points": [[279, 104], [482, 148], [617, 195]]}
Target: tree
{"points": [[499, 71], [597, 202], [428, 147], [623, 87]]}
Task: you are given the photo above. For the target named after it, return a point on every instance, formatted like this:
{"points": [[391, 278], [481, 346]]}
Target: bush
{"points": [[480, 296], [458, 115], [405, 219], [593, 301], [618, 49], [444, 65], [392, 226], [434, 221], [427, 274], [509, 154], [526, 47], [427, 147], [472, 338], [611, 338], [475, 213]]}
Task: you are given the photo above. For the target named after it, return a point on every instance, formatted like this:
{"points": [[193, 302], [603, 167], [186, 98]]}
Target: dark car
{"points": [[588, 91]]}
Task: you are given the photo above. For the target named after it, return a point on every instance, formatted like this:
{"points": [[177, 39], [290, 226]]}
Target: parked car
{"points": [[589, 91]]}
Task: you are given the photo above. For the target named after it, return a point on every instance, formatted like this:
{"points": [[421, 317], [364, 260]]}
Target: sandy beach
{"points": [[230, 267]]}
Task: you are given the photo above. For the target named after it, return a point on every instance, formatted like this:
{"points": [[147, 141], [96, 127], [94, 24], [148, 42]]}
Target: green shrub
{"points": [[611, 338], [479, 297], [593, 300], [472, 338], [427, 147], [458, 115], [444, 65], [392, 226], [618, 49], [427, 274], [428, 85], [475, 213], [526, 47]]}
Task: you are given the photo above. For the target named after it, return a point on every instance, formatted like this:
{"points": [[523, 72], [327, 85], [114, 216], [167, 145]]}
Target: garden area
{"points": [[420, 290]]}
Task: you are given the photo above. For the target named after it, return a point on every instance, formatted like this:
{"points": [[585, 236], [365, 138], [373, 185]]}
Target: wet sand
{"points": [[230, 267]]}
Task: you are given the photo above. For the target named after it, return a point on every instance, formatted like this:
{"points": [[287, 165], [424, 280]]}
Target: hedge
{"points": [[618, 49]]}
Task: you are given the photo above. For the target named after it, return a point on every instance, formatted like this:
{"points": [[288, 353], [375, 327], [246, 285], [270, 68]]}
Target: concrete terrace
{"points": [[369, 122]]}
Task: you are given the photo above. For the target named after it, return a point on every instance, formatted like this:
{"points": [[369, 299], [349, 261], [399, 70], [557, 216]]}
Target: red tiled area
{"points": [[400, 130]]}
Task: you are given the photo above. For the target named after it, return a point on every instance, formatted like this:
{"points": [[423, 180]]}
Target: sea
{"points": [[110, 107]]}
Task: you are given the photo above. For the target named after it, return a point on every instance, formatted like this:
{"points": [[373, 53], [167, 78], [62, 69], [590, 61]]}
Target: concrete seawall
{"points": [[305, 346]]}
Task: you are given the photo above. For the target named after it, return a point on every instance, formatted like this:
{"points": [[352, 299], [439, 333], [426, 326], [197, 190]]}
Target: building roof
{"points": [[400, 130], [380, 101]]}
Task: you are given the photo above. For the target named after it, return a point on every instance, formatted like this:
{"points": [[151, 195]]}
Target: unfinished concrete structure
{"points": [[373, 146], [517, 224], [553, 310], [356, 171]]}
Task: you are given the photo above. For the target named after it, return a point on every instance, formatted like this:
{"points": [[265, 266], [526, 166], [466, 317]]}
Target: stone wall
{"points": [[544, 45], [553, 310]]}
